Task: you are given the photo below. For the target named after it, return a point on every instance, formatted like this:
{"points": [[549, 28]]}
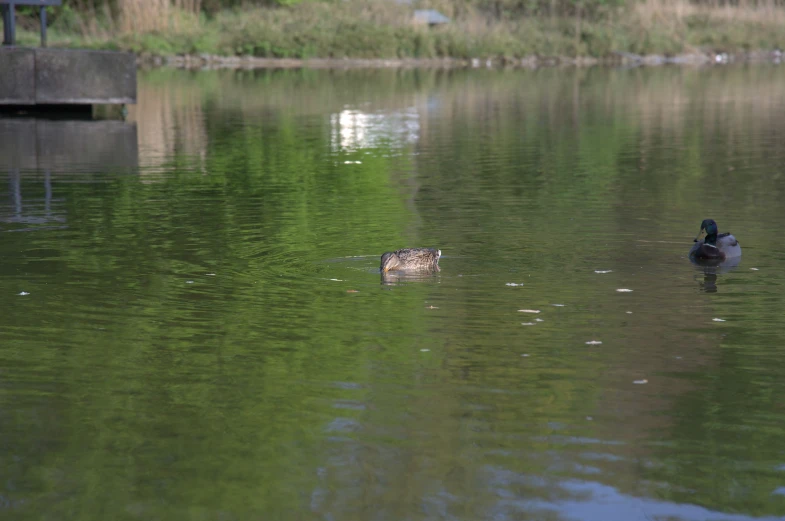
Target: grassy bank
{"points": [[376, 29]]}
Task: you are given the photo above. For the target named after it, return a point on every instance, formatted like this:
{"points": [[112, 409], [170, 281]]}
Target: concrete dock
{"points": [[46, 76]]}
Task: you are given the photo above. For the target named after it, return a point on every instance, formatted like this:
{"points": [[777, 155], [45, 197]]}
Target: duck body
{"points": [[411, 259], [714, 246]]}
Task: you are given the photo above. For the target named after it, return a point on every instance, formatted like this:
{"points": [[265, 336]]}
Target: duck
{"points": [[411, 259], [714, 246]]}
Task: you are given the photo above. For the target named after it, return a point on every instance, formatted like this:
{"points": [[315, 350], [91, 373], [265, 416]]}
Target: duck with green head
{"points": [[710, 245]]}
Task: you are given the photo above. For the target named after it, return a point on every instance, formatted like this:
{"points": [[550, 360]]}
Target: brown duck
{"points": [[411, 259]]}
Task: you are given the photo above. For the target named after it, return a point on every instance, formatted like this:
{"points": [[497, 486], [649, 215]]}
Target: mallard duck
{"points": [[411, 259], [714, 246]]}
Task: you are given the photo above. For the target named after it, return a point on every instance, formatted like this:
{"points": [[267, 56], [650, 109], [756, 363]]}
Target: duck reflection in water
{"points": [[409, 265], [710, 270]]}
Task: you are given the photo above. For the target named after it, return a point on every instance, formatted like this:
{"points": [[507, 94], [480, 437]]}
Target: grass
{"points": [[372, 29]]}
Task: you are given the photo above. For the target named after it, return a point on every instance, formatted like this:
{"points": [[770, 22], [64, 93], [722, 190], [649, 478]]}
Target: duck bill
{"points": [[700, 235]]}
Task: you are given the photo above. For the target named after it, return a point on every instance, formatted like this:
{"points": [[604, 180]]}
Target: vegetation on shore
{"points": [[386, 28]]}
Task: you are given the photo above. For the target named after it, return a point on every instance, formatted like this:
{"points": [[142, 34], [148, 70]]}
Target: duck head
{"points": [[390, 261], [709, 231]]}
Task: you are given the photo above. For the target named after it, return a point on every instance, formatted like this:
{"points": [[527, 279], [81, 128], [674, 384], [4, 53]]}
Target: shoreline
{"points": [[215, 62]]}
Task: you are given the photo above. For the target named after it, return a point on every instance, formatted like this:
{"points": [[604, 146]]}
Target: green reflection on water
{"points": [[209, 338]]}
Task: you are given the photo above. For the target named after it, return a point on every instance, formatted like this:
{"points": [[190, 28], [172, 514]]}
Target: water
{"points": [[194, 326]]}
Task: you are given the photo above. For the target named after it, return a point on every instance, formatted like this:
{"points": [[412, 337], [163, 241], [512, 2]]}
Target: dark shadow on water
{"points": [[34, 144], [711, 269], [52, 112], [39, 157]]}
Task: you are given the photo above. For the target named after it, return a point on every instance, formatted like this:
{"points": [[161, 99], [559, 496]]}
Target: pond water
{"points": [[194, 326]]}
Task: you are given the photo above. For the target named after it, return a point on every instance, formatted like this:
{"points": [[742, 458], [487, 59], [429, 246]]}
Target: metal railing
{"points": [[8, 9]]}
